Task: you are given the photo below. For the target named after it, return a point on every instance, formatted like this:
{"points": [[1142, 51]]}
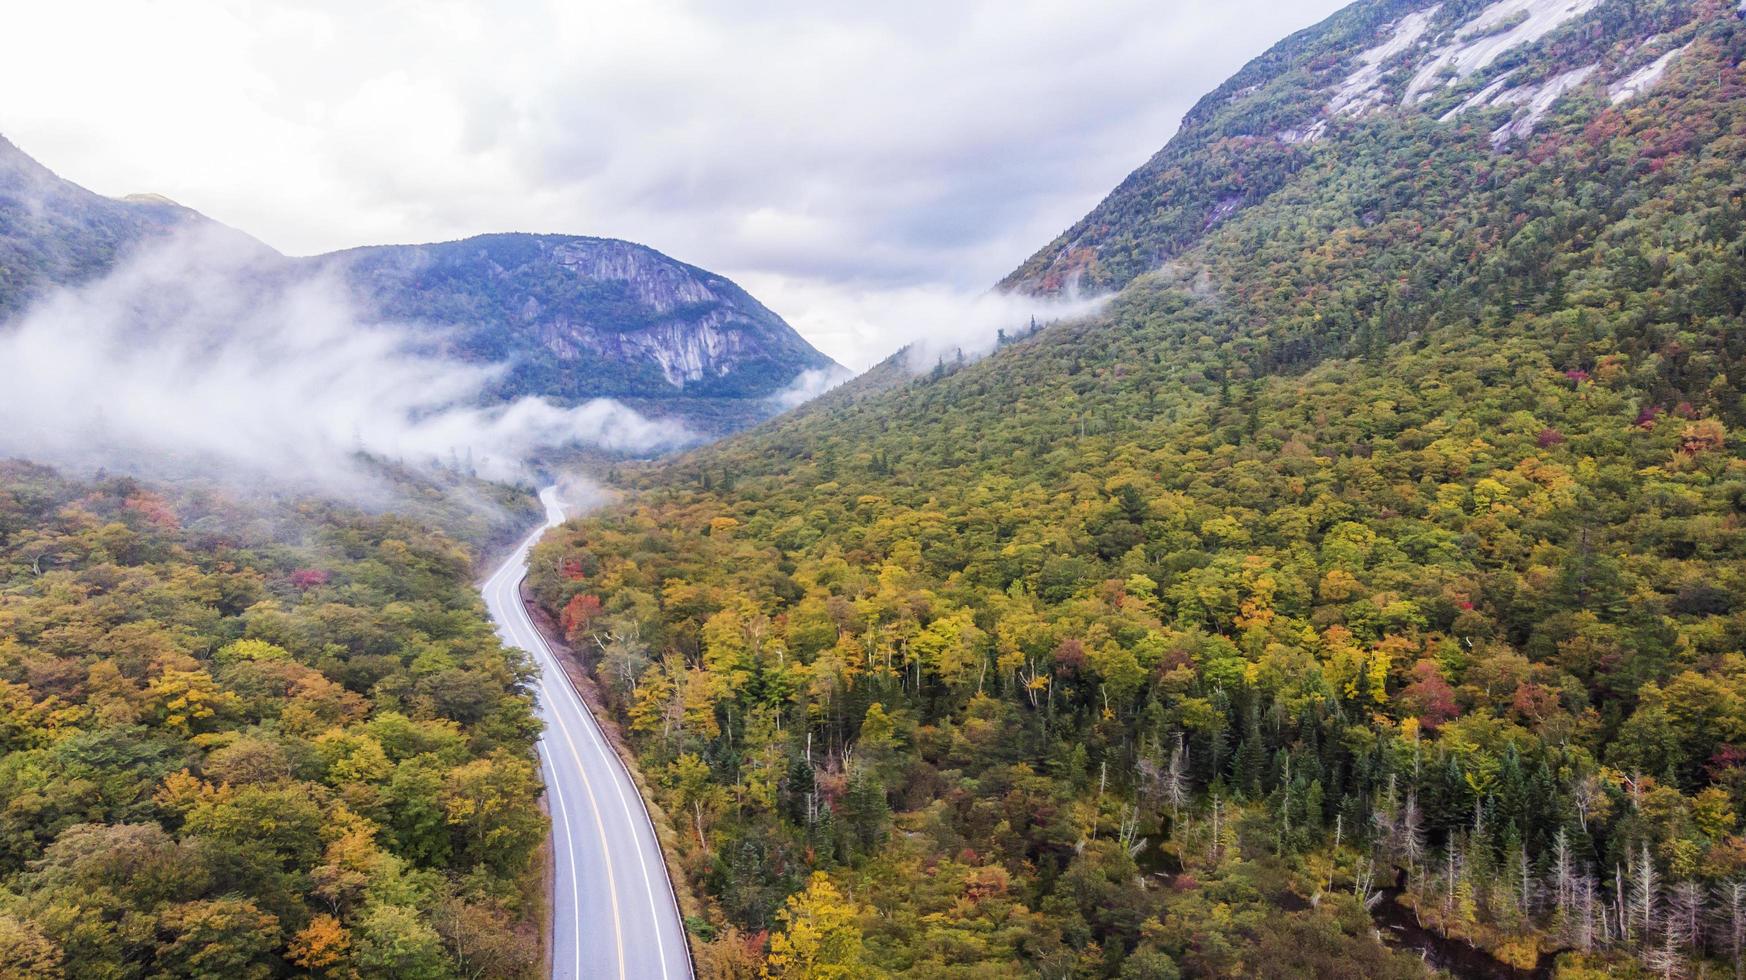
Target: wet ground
{"points": [[1400, 928]]}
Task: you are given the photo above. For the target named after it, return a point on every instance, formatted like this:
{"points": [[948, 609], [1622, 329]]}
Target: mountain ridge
{"points": [[54, 232], [570, 317], [614, 305]]}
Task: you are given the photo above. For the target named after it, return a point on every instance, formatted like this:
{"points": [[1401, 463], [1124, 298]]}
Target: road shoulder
{"points": [[589, 693]]}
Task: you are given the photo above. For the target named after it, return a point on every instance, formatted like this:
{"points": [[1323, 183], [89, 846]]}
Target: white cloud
{"points": [[853, 148], [810, 384], [934, 321], [198, 356]]}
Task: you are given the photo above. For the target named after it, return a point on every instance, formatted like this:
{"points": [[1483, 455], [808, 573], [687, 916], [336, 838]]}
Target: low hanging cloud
{"points": [[201, 354], [810, 384], [929, 322]]}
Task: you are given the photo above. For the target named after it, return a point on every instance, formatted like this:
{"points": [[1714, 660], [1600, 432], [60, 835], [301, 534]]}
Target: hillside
{"points": [[1388, 522], [571, 318], [54, 232], [1465, 64]]}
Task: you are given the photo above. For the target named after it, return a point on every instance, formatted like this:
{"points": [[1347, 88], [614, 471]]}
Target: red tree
{"points": [[1429, 696], [578, 616]]}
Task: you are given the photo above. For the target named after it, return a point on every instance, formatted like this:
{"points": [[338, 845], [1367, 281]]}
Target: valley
{"points": [[1386, 518], [1353, 583]]}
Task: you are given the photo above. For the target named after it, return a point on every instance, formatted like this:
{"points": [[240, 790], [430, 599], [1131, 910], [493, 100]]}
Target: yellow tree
{"points": [[650, 709], [950, 648], [820, 936], [762, 760], [728, 656], [489, 802], [25, 953], [187, 700], [322, 947]]}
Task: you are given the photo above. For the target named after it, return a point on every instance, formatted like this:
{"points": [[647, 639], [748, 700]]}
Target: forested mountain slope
{"points": [[1393, 520], [246, 743], [56, 233], [1497, 67]]}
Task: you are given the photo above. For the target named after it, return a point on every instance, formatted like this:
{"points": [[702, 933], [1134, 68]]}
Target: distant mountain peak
{"points": [[150, 198], [54, 232], [578, 317]]}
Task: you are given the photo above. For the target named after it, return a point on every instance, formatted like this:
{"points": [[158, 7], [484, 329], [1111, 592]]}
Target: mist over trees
{"points": [[237, 743]]}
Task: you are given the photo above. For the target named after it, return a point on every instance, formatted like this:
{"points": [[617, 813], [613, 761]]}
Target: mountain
{"points": [[572, 318], [54, 232], [578, 318], [1370, 566], [1461, 66]]}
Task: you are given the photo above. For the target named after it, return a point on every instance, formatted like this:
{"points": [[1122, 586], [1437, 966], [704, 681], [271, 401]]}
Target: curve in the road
{"points": [[606, 921]]}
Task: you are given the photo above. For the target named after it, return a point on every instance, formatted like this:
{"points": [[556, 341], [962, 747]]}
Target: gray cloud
{"points": [[848, 150]]}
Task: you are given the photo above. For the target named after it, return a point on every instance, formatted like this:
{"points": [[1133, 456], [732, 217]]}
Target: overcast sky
{"points": [[864, 168]]}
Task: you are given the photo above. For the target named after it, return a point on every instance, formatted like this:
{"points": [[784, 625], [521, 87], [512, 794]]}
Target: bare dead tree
{"points": [[1563, 872], [1285, 804], [1525, 883], [1412, 830], [1585, 793], [1634, 788], [1665, 958], [1583, 934], [1731, 922], [1213, 846], [1364, 882], [1451, 873], [1685, 914], [1619, 904], [1645, 895], [1176, 781]]}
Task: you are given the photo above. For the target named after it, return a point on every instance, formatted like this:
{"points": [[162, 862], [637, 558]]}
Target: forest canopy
{"points": [[1386, 537], [252, 741]]}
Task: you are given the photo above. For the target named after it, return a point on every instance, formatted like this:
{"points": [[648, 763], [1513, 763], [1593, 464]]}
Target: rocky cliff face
{"points": [[585, 317], [687, 352], [701, 328], [1502, 67], [688, 348]]}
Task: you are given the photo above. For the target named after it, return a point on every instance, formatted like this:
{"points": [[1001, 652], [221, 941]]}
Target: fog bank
{"points": [[199, 355]]}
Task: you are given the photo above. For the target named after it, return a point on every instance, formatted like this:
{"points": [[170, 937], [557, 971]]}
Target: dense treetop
{"points": [[247, 743], [1393, 522]]}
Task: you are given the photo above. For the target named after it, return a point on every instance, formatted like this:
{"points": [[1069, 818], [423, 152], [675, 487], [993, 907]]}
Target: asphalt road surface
{"points": [[613, 913]]}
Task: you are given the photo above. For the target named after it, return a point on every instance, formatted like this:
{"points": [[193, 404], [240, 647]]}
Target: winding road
{"points": [[613, 911]]}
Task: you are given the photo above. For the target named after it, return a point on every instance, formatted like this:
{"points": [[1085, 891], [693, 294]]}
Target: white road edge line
{"points": [[600, 823], [570, 849], [549, 497], [598, 742], [506, 583], [509, 595], [642, 863]]}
